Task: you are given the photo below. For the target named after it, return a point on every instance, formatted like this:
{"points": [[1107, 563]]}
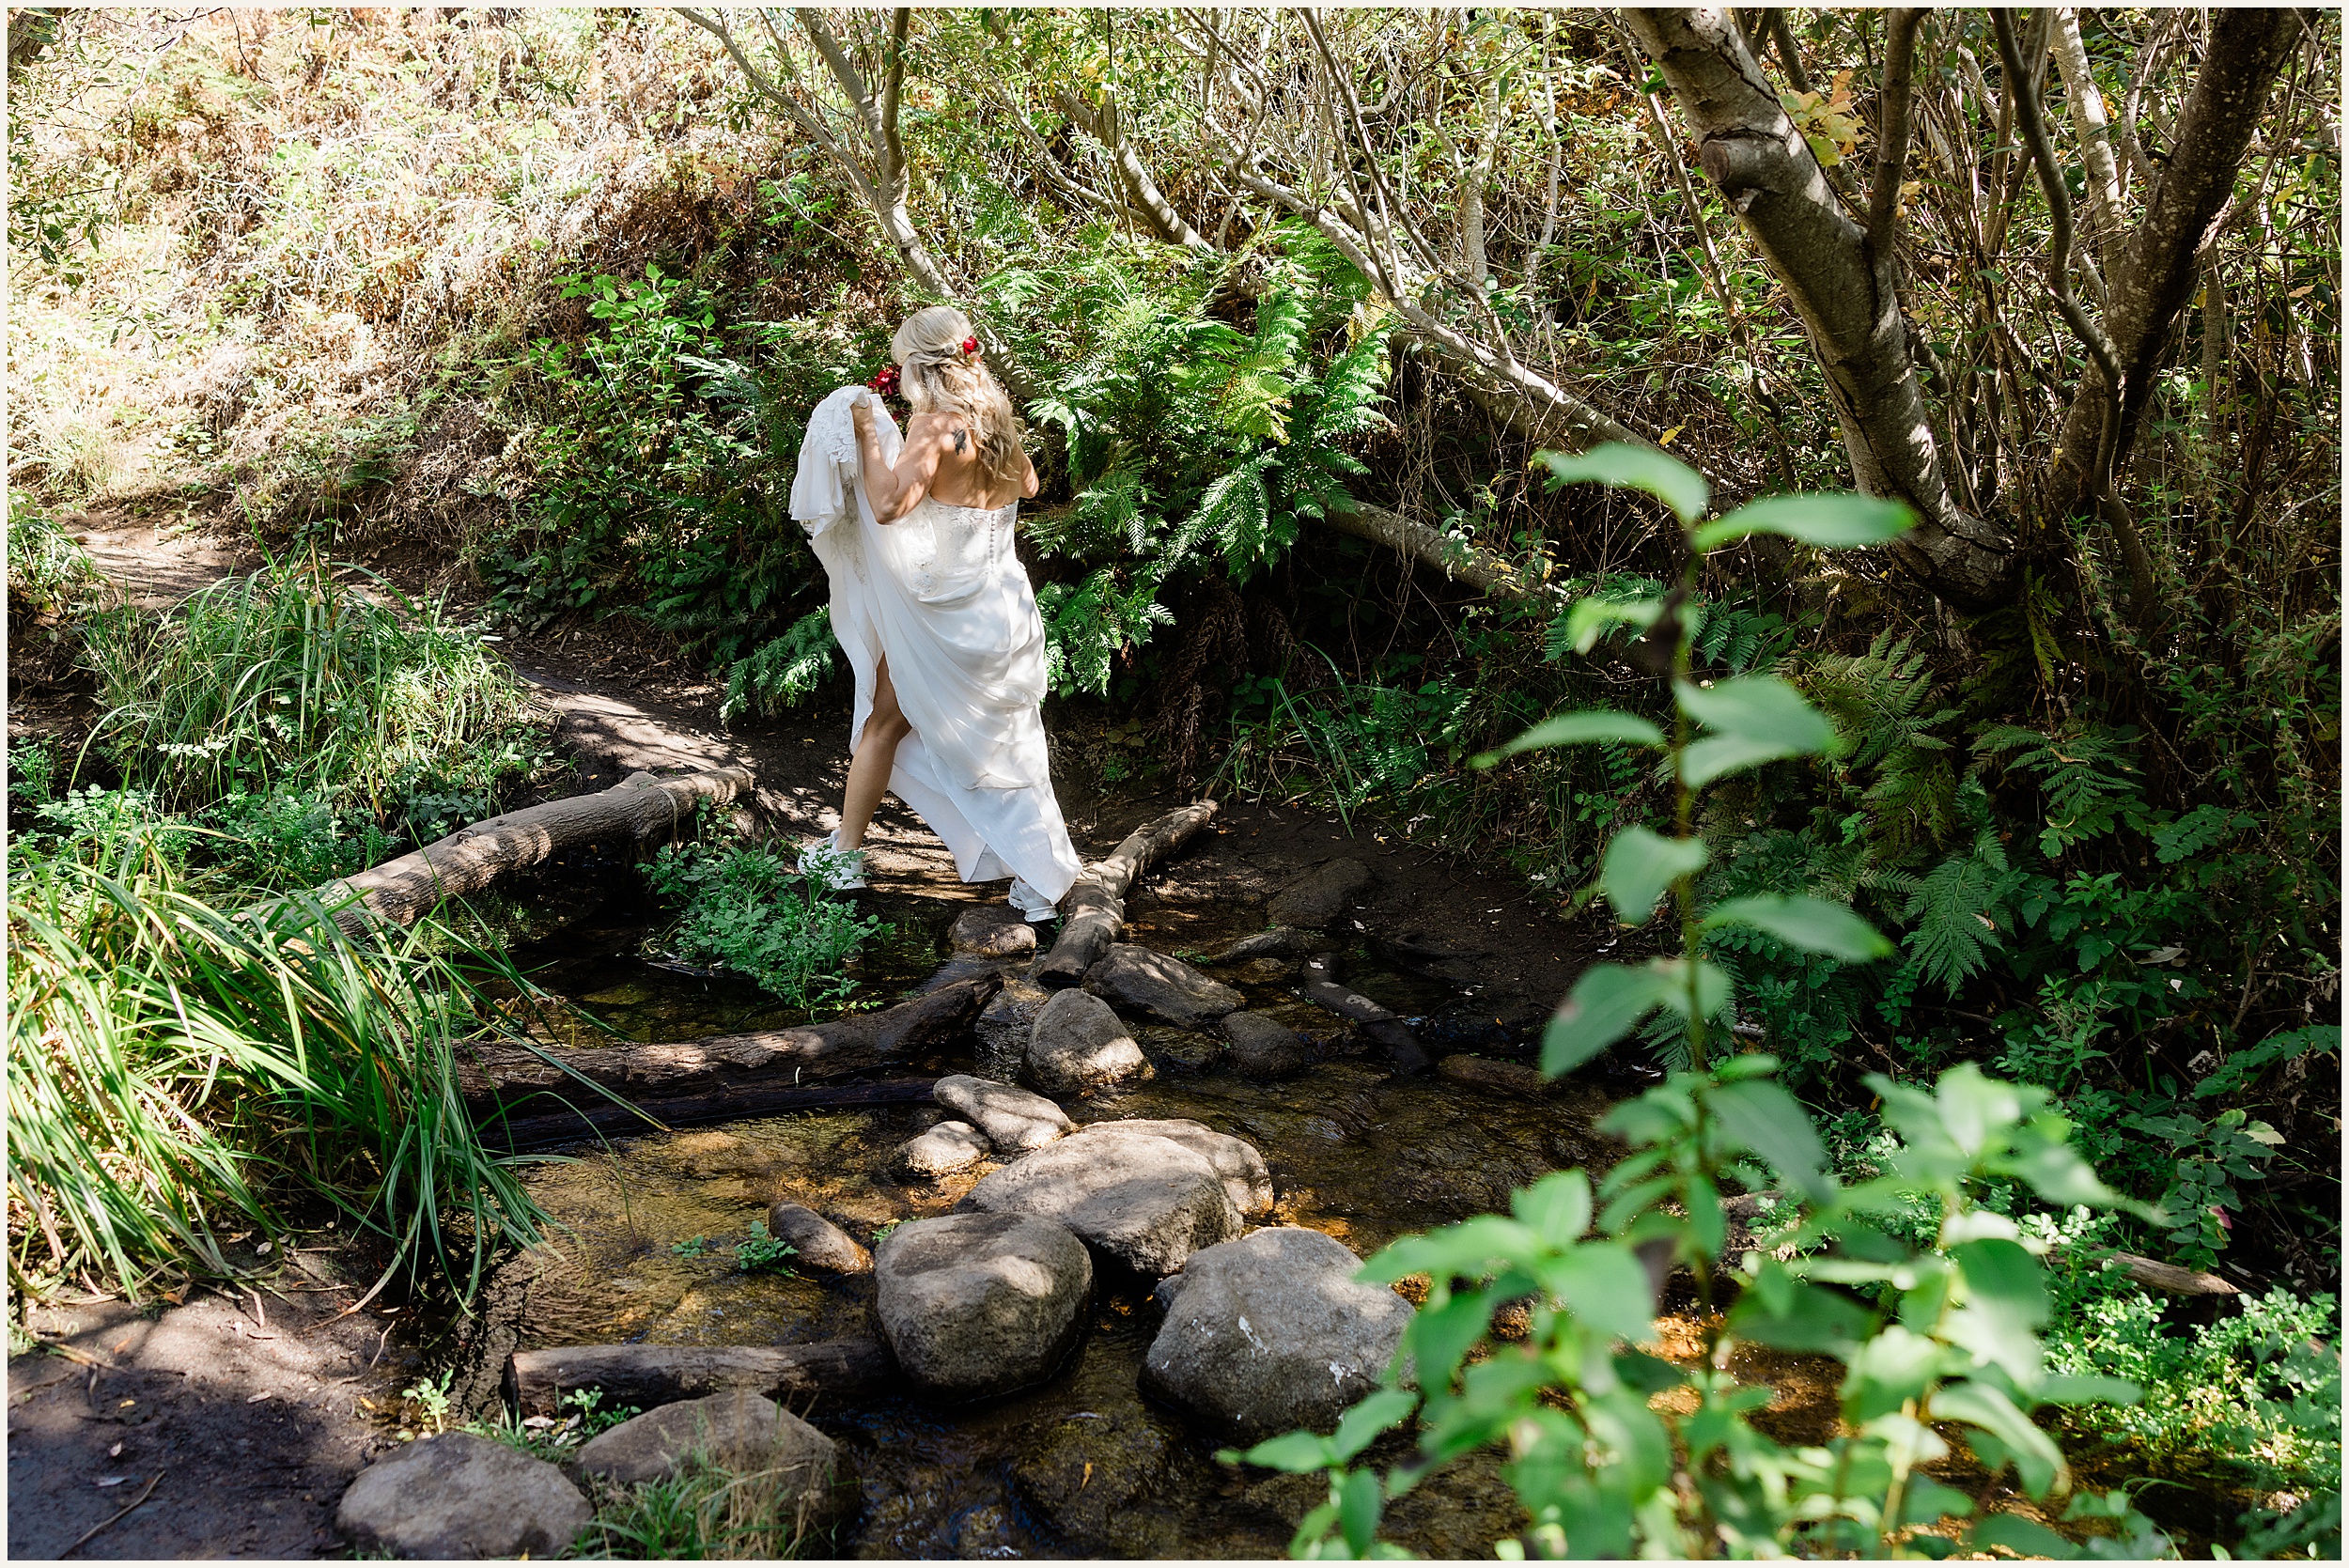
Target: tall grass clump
{"points": [[176, 1070], [287, 678]]}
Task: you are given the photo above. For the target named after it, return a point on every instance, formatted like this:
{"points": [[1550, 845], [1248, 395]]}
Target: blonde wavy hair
{"points": [[936, 376]]}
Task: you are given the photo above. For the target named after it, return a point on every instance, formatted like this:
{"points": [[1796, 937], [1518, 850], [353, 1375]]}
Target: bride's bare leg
{"points": [[875, 753]]}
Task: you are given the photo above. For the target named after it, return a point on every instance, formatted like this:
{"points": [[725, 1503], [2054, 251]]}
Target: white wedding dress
{"points": [[940, 595]]}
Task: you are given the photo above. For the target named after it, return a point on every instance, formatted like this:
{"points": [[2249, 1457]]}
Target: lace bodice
{"points": [[953, 551]]}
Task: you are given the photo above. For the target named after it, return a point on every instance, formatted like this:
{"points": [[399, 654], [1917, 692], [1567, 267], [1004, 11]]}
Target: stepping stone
{"points": [[737, 1429], [1146, 1202], [991, 931], [1264, 1047], [1319, 896], [981, 1304], [1013, 1119], [1160, 988], [820, 1245], [460, 1495], [1007, 1020], [1078, 1041], [1282, 943], [1514, 1077], [1236, 1162], [948, 1147], [1271, 1333]]}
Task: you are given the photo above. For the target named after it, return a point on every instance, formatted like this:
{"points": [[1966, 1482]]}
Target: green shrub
{"points": [[289, 680], [743, 907], [49, 574]]}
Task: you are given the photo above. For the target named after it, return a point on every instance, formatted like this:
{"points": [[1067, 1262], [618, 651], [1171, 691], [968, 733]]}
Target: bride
{"points": [[936, 615]]}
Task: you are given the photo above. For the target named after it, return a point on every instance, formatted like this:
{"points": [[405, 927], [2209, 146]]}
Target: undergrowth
{"points": [[744, 906]]}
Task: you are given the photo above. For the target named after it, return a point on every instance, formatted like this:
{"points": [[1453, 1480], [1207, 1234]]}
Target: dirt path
{"points": [[254, 1437]]}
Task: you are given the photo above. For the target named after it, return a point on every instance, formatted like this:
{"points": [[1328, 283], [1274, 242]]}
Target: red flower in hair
{"points": [[885, 381], [969, 344]]}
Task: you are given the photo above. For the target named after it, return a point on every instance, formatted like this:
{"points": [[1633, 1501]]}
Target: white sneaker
{"points": [[831, 868], [1032, 906]]}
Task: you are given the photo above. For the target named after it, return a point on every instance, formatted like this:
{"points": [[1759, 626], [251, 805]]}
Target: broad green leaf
{"points": [[1471, 1248], [1641, 468], [2023, 1537], [1830, 521], [1673, 975], [2037, 1461], [1605, 1287], [1762, 1116], [1438, 1337], [2005, 1304], [2077, 1389], [1557, 1208], [1813, 924], [1293, 1452], [1577, 729], [1606, 1004], [1641, 863], [1928, 1500], [2058, 1173], [1359, 1503], [1593, 615], [1797, 1316], [1887, 1372], [1754, 719], [1376, 1413], [1975, 1108]]}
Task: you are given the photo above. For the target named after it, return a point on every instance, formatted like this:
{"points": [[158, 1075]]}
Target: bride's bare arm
{"points": [[895, 491]]}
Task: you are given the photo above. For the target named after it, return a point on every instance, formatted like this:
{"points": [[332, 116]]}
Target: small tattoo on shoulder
{"points": [[959, 437]]}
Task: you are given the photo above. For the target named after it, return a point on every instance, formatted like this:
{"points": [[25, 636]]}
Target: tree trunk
{"points": [[1094, 907], [650, 1375], [2248, 49], [514, 1074], [592, 1117], [641, 809], [1763, 167]]}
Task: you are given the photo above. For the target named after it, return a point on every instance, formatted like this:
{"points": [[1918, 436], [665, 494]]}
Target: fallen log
{"points": [[642, 808], [1385, 1027], [648, 1375], [840, 1047], [595, 1117], [1093, 911]]}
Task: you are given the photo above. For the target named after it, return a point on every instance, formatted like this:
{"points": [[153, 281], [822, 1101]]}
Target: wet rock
{"points": [[1183, 1047], [1084, 1478], [460, 1495], [980, 1304], [820, 1245], [1282, 943], [1236, 1162], [991, 931], [1320, 895], [1144, 1202], [1013, 1119], [1079, 1043], [1514, 1077], [1166, 988], [737, 1429], [1271, 1333], [1264, 1047], [1267, 972], [948, 1147], [1006, 1022]]}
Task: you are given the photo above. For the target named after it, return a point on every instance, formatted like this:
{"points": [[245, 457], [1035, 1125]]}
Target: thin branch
{"points": [[1900, 51], [2059, 203]]}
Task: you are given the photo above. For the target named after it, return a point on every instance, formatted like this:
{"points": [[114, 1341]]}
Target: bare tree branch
{"points": [[1900, 52]]}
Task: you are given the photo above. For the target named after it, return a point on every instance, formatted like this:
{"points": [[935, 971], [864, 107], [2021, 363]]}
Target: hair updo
{"points": [[939, 376]]}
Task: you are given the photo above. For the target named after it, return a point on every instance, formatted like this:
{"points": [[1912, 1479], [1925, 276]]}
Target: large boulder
{"points": [[1161, 987], [1271, 1333], [818, 1245], [1079, 1042], [1264, 1047], [460, 1495], [1013, 1119], [738, 1430], [1144, 1201], [1235, 1162], [1319, 896], [948, 1147], [991, 931], [980, 1304]]}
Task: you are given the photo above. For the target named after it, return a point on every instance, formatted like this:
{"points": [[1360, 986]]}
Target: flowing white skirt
{"points": [[942, 597]]}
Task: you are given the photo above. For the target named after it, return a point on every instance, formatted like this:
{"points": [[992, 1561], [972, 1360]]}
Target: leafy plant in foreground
{"points": [[1939, 1334], [744, 907]]}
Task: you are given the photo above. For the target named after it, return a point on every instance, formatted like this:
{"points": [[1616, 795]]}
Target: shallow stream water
{"points": [[1083, 1465]]}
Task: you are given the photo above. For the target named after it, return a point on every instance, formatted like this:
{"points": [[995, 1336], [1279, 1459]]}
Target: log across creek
{"points": [[647, 1376], [527, 1096]]}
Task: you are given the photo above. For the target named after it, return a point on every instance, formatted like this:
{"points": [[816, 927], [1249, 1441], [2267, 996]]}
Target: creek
{"points": [[1083, 1464]]}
